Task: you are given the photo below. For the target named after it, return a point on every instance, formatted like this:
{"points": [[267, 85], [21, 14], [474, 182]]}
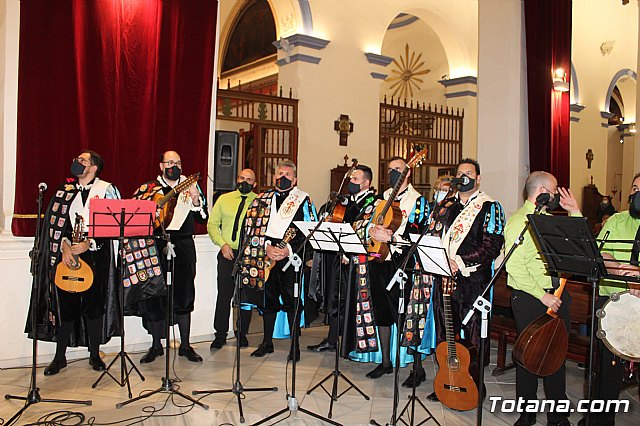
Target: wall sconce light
{"points": [[560, 83]]}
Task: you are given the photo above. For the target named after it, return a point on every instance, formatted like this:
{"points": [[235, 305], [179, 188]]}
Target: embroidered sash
{"points": [[366, 338]]}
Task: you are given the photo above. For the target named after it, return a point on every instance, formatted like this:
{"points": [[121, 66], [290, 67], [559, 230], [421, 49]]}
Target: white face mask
{"points": [[439, 196]]}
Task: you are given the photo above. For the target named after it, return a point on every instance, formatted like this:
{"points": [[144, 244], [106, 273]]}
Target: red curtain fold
{"points": [[548, 45], [127, 79]]}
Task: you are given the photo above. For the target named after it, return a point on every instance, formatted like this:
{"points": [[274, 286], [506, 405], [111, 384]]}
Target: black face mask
{"points": [[353, 188], [634, 205], [545, 200], [283, 183], [554, 203], [469, 186], [244, 187], [394, 176], [172, 173], [77, 168]]}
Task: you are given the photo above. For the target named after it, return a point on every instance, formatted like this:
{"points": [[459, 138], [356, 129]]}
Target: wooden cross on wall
{"points": [[344, 126]]}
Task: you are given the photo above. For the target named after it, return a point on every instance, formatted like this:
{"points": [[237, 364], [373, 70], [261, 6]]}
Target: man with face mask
{"points": [[441, 190], [415, 211], [269, 219], [224, 227], [190, 207], [357, 206], [470, 225], [620, 259], [533, 287], [82, 318], [605, 208]]}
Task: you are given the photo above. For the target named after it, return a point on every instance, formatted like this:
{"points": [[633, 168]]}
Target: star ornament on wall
{"points": [[406, 73]]}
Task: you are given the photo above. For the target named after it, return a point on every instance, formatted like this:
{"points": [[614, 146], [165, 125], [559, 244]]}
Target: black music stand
{"points": [[238, 389], [569, 246], [166, 383], [295, 261], [33, 395], [119, 219], [340, 238]]}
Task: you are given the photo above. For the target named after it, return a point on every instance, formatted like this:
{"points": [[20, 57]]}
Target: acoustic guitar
{"points": [[167, 202], [542, 346], [340, 207], [389, 214], [269, 263], [453, 384], [78, 277]]}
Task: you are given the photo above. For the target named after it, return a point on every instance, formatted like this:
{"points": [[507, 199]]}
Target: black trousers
{"points": [[226, 289], [610, 375], [526, 309]]}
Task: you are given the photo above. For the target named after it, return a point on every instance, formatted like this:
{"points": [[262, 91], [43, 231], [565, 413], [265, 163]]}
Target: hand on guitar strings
{"points": [[68, 251], [276, 253], [380, 233], [551, 301], [454, 266], [195, 195]]}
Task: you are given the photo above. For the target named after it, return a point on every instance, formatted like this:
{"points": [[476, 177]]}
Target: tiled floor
{"points": [[216, 372]]}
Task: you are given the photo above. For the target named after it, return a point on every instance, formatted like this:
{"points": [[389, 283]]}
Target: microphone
{"points": [[42, 187], [541, 201], [460, 181]]}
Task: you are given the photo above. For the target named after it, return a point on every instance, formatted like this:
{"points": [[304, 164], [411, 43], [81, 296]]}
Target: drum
{"points": [[618, 325]]}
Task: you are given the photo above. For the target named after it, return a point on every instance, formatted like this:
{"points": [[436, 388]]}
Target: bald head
{"points": [[247, 175], [537, 181]]}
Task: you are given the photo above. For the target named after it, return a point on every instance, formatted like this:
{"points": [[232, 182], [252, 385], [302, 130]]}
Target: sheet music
{"points": [[325, 237], [433, 257]]}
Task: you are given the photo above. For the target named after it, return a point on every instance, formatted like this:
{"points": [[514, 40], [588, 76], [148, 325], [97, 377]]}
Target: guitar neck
{"points": [[394, 193], [448, 321], [178, 189]]}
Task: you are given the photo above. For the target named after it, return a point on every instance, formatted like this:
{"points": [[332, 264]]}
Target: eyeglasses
{"points": [[549, 191], [172, 163], [83, 161]]}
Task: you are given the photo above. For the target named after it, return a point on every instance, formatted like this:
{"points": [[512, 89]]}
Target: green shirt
{"points": [[526, 270], [223, 214], [621, 226]]}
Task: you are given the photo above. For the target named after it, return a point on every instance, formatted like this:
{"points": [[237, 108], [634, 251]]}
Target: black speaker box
{"points": [[226, 160]]}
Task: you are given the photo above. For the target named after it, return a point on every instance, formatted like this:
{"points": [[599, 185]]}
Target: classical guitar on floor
{"points": [[453, 384]]}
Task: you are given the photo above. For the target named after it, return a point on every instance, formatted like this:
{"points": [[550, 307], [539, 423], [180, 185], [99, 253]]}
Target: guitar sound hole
{"points": [[453, 364]]}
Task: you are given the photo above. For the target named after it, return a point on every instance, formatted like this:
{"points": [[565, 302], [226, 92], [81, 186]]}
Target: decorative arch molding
{"points": [[457, 53], [626, 72], [576, 87]]}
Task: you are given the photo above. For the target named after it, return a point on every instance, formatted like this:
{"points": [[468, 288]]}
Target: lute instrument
{"points": [[542, 346], [340, 207], [167, 202], [78, 277], [269, 263], [389, 214], [453, 384]]}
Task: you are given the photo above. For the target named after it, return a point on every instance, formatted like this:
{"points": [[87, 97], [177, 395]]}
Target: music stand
{"points": [[33, 395], [309, 229], [119, 219], [433, 260], [340, 238], [569, 246]]}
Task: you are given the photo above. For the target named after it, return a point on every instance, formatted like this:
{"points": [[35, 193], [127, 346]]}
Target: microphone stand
{"points": [[237, 389], [33, 395], [483, 307]]}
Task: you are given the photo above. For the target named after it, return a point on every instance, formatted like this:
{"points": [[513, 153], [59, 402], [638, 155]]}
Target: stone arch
{"points": [[575, 88], [620, 75]]}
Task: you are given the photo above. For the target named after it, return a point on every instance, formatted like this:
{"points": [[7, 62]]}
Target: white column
{"points": [[502, 101]]}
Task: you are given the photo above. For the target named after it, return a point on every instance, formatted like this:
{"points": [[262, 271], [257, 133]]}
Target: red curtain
{"points": [[127, 79], [548, 34]]}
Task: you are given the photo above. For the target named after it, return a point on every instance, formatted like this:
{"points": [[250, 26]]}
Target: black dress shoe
{"points": [[189, 353], [380, 371], [55, 367], [433, 397], [217, 343], [415, 379], [152, 354], [526, 419], [244, 342], [97, 363], [323, 346], [262, 350]]}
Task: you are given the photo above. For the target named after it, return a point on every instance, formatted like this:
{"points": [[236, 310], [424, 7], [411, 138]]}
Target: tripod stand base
{"points": [[167, 387], [412, 416], [293, 406], [124, 372], [33, 398], [334, 390], [237, 390]]}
